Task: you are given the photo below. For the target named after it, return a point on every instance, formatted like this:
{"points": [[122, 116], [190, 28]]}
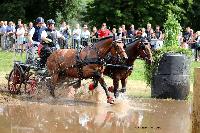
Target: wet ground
{"points": [[87, 112], [72, 116]]}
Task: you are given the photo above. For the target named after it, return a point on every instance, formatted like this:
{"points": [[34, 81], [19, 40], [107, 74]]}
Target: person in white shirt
{"points": [[20, 37], [66, 32], [85, 35], [76, 37], [3, 35]]}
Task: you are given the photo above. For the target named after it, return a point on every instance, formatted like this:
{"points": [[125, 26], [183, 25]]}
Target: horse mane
{"points": [[132, 42]]}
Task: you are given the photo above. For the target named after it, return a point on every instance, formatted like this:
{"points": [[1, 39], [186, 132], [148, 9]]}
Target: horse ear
{"points": [[142, 46]]}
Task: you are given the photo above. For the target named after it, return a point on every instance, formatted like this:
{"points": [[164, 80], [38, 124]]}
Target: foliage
{"points": [[29, 10], [172, 30], [171, 45], [138, 13]]}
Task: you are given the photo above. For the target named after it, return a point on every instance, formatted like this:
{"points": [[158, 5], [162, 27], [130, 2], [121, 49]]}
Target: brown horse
{"points": [[118, 71], [88, 63]]}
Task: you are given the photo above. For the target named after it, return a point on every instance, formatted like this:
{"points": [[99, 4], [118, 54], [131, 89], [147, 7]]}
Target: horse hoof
{"points": [[91, 87], [116, 94], [123, 90], [111, 89], [110, 100], [52, 93]]}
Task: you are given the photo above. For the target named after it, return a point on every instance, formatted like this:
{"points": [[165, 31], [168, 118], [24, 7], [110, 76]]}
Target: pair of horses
{"points": [[88, 63]]}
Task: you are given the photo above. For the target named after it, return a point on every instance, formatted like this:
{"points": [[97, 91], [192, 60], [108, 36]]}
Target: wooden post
{"points": [[196, 102]]}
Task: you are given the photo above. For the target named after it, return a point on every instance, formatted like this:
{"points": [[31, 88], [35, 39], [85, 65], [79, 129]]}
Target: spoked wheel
{"points": [[30, 84], [15, 81]]}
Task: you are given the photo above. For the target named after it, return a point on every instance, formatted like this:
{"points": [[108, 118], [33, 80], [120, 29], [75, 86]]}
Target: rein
{"points": [[80, 63]]}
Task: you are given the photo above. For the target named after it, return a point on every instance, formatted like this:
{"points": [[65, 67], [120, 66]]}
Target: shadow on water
{"points": [[126, 116]]}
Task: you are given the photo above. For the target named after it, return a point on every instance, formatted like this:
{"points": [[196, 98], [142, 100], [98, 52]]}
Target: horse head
{"points": [[118, 49], [145, 51], [105, 45]]}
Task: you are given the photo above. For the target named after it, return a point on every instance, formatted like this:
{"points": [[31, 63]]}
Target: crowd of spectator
{"points": [[15, 36]]}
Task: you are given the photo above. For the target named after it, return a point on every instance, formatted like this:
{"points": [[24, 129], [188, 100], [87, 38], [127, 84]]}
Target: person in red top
{"points": [[103, 32]]}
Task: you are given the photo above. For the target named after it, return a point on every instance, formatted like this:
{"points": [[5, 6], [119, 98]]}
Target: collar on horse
{"points": [[80, 63]]}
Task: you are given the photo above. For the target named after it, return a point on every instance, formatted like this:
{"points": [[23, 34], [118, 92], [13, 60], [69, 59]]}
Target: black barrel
{"points": [[172, 79]]}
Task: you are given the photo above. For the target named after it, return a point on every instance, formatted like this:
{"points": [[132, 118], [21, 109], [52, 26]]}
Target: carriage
{"points": [[26, 75]]}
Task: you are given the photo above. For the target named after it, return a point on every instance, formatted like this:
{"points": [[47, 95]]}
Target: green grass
{"points": [[6, 61]]}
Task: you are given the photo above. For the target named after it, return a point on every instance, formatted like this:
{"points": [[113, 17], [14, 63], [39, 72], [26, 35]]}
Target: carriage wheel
{"points": [[30, 84], [15, 81]]}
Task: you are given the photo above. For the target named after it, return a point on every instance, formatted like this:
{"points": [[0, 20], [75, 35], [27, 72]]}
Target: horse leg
{"points": [[52, 84], [103, 84], [123, 82], [116, 86]]}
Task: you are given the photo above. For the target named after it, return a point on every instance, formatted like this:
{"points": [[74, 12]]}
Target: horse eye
{"points": [[143, 46]]}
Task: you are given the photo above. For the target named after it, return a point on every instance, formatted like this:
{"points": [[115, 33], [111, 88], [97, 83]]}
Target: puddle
{"points": [[129, 116]]}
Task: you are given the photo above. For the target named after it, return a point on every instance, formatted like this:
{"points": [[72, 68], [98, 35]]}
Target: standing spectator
{"points": [[61, 42], [3, 35], [85, 35], [120, 33], [10, 30], [186, 38], [197, 54], [20, 37], [5, 24], [187, 35], [148, 32], [158, 32], [19, 22], [144, 34], [114, 32], [103, 32], [124, 30], [63, 27], [131, 31], [66, 32], [30, 26], [76, 37], [94, 33]]}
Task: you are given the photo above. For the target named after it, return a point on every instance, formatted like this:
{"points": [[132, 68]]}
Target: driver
{"points": [[49, 41]]}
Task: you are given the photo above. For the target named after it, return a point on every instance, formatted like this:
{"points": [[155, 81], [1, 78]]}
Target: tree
{"points": [[29, 10], [139, 13]]}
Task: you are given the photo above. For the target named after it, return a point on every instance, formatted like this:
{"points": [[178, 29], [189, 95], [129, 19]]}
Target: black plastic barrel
{"points": [[172, 79]]}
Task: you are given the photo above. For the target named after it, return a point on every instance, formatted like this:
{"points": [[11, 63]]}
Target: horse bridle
{"points": [[116, 47], [143, 47]]}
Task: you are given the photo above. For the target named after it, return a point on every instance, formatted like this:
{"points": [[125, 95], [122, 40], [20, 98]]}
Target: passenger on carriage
{"points": [[34, 37], [49, 42]]}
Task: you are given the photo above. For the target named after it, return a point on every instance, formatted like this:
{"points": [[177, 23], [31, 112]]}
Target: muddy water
{"points": [[129, 116]]}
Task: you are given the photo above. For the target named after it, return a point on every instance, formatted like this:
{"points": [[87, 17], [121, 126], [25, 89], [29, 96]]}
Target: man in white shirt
{"points": [[85, 35], [76, 37]]}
